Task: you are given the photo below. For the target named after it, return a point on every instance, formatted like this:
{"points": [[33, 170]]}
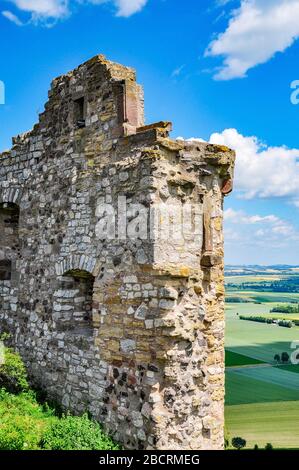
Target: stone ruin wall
{"points": [[131, 330]]}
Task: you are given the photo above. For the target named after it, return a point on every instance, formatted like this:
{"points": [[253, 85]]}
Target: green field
{"points": [[259, 309], [242, 389], [253, 278], [290, 367], [273, 376], [265, 297], [258, 340], [262, 400], [235, 359], [260, 423]]}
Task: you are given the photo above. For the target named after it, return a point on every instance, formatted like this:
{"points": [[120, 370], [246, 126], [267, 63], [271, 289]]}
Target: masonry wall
{"points": [[130, 328]]}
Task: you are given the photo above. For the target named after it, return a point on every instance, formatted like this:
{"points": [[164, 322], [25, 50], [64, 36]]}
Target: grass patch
{"points": [[234, 359]]}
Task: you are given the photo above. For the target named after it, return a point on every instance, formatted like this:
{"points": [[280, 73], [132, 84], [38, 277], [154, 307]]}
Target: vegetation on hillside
{"points": [[285, 309], [289, 284], [27, 424], [260, 319], [237, 300]]}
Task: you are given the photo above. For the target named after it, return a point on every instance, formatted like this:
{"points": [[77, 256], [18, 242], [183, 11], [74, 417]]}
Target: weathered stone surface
{"points": [[129, 329]]}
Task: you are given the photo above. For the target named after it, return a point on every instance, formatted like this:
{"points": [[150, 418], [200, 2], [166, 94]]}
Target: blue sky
{"points": [[220, 70]]}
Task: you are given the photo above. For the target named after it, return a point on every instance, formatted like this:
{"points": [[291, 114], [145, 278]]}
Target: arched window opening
{"points": [[75, 301]]}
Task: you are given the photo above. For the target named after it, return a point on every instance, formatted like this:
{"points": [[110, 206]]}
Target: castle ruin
{"points": [[113, 311]]}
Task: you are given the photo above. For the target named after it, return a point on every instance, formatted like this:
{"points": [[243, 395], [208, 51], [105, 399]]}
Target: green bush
{"points": [[226, 437], [269, 446], [238, 443], [13, 376], [22, 420], [285, 309], [76, 433], [17, 434], [26, 424], [285, 323], [256, 318], [285, 357]]}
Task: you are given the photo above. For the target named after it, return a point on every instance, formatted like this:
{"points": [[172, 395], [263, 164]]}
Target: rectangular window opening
{"points": [[5, 270], [79, 112]]}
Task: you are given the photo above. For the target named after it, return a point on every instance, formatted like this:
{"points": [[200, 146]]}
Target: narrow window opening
{"points": [[79, 112], [5, 270], [9, 240], [9, 214]]}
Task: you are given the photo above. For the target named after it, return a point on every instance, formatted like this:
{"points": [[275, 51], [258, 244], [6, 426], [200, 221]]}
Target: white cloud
{"points": [[124, 8], [191, 139], [241, 217], [256, 230], [221, 3], [11, 17], [43, 8], [129, 7], [256, 31], [42, 11], [46, 12], [176, 72], [262, 171]]}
